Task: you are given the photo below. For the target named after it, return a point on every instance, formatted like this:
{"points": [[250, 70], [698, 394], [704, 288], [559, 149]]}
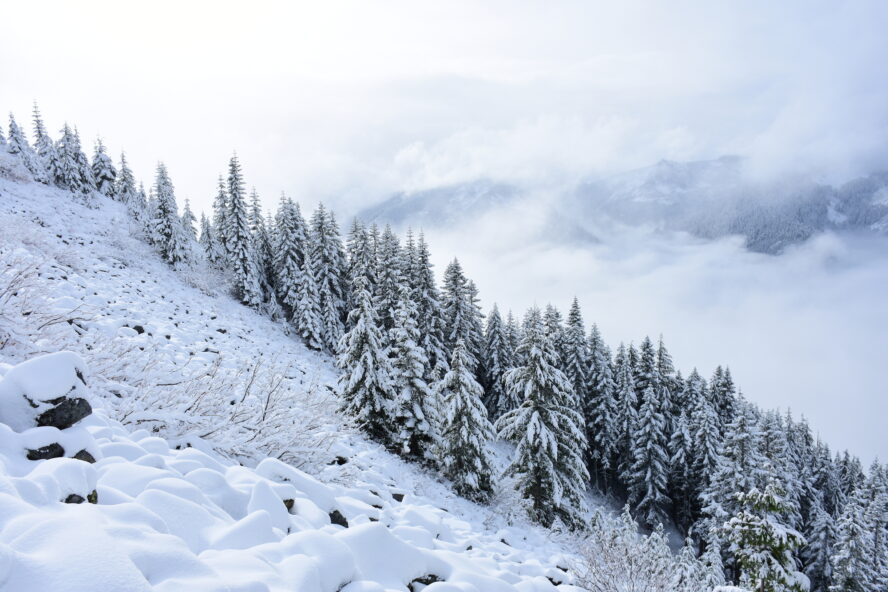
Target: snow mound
{"points": [[148, 516]]}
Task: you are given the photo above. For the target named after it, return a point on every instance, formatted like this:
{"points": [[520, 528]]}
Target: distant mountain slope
{"points": [[708, 199]]}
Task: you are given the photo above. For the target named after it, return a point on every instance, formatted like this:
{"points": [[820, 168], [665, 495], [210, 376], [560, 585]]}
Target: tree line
{"points": [[427, 374]]}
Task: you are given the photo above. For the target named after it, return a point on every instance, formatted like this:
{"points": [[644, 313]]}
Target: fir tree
{"points": [[552, 321], [627, 411], [462, 319], [548, 431], [576, 351], [220, 218], [125, 191], [681, 472], [763, 545], [429, 313], [329, 258], [103, 171], [389, 278], [289, 254], [817, 555], [365, 383], [416, 409], [466, 430], [84, 170], [206, 239], [169, 236]]}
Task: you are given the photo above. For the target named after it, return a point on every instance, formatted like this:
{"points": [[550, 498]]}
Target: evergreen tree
{"points": [[206, 240], [627, 411], [722, 393], [44, 147], [365, 384], [329, 258], [125, 190], [576, 351], [462, 319], [188, 220], [262, 251], [416, 409], [496, 360], [466, 430], [169, 236], [103, 171], [547, 429], [553, 322], [18, 146], [239, 240], [707, 443], [389, 278], [289, 254], [429, 313], [87, 181], [763, 545], [220, 219], [649, 473], [308, 308], [600, 410], [681, 472], [852, 563], [817, 555]]}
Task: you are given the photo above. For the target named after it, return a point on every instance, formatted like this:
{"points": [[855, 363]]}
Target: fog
{"points": [[348, 101]]}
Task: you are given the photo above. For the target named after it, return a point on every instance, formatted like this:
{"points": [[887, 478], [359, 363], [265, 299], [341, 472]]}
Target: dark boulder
{"points": [[53, 450], [84, 456], [336, 517], [65, 414]]}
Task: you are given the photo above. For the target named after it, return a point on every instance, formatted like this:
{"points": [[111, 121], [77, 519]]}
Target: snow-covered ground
{"points": [[198, 487]]}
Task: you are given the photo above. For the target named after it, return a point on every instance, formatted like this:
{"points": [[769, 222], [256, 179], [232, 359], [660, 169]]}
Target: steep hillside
{"points": [[198, 488]]}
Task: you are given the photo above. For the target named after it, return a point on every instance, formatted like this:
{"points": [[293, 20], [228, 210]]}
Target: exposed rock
{"points": [[426, 580], [336, 517], [74, 498], [289, 504], [53, 450], [84, 456], [65, 414], [398, 497]]}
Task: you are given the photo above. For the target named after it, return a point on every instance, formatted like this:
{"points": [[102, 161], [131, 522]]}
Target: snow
{"points": [[194, 492]]}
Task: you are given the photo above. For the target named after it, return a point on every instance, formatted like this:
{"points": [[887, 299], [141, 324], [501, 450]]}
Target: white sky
{"points": [[347, 101]]}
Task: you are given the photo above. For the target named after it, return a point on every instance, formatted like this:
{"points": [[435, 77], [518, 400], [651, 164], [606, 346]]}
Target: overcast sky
{"points": [[347, 101]]}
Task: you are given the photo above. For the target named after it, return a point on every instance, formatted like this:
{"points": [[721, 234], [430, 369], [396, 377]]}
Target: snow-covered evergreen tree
{"points": [[627, 411], [87, 181], [548, 430], [125, 191], [18, 146], [239, 240], [462, 319], [466, 431], [289, 254], [330, 265], [44, 147], [389, 278], [103, 171], [220, 218], [576, 351], [763, 545], [496, 360], [851, 560], [600, 410], [366, 380], [648, 475], [170, 238], [308, 307], [188, 221], [681, 472], [429, 313], [817, 554], [416, 406]]}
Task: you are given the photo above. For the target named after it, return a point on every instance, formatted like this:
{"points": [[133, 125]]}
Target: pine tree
{"points": [[600, 410], [648, 475], [548, 431], [365, 384], [44, 147], [170, 238], [763, 545], [188, 220], [308, 307], [466, 431], [18, 146], [239, 240], [496, 360], [103, 171], [416, 408]]}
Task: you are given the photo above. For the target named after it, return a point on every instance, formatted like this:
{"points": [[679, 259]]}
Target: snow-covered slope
{"points": [[185, 494]]}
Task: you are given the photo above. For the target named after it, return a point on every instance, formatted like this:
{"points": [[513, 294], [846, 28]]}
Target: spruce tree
{"points": [[576, 351], [206, 239], [308, 307], [600, 411], [44, 147], [462, 319], [239, 240], [681, 474], [817, 554], [416, 408], [84, 170], [103, 171], [548, 431], [389, 278], [18, 146], [262, 252], [289, 254], [852, 562], [330, 266], [763, 545], [188, 221], [429, 313], [553, 322], [220, 218], [627, 412], [169, 237], [125, 190], [496, 360], [648, 474], [366, 380], [466, 431]]}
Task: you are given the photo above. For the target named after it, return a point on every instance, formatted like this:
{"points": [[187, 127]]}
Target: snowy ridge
{"points": [[175, 509]]}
